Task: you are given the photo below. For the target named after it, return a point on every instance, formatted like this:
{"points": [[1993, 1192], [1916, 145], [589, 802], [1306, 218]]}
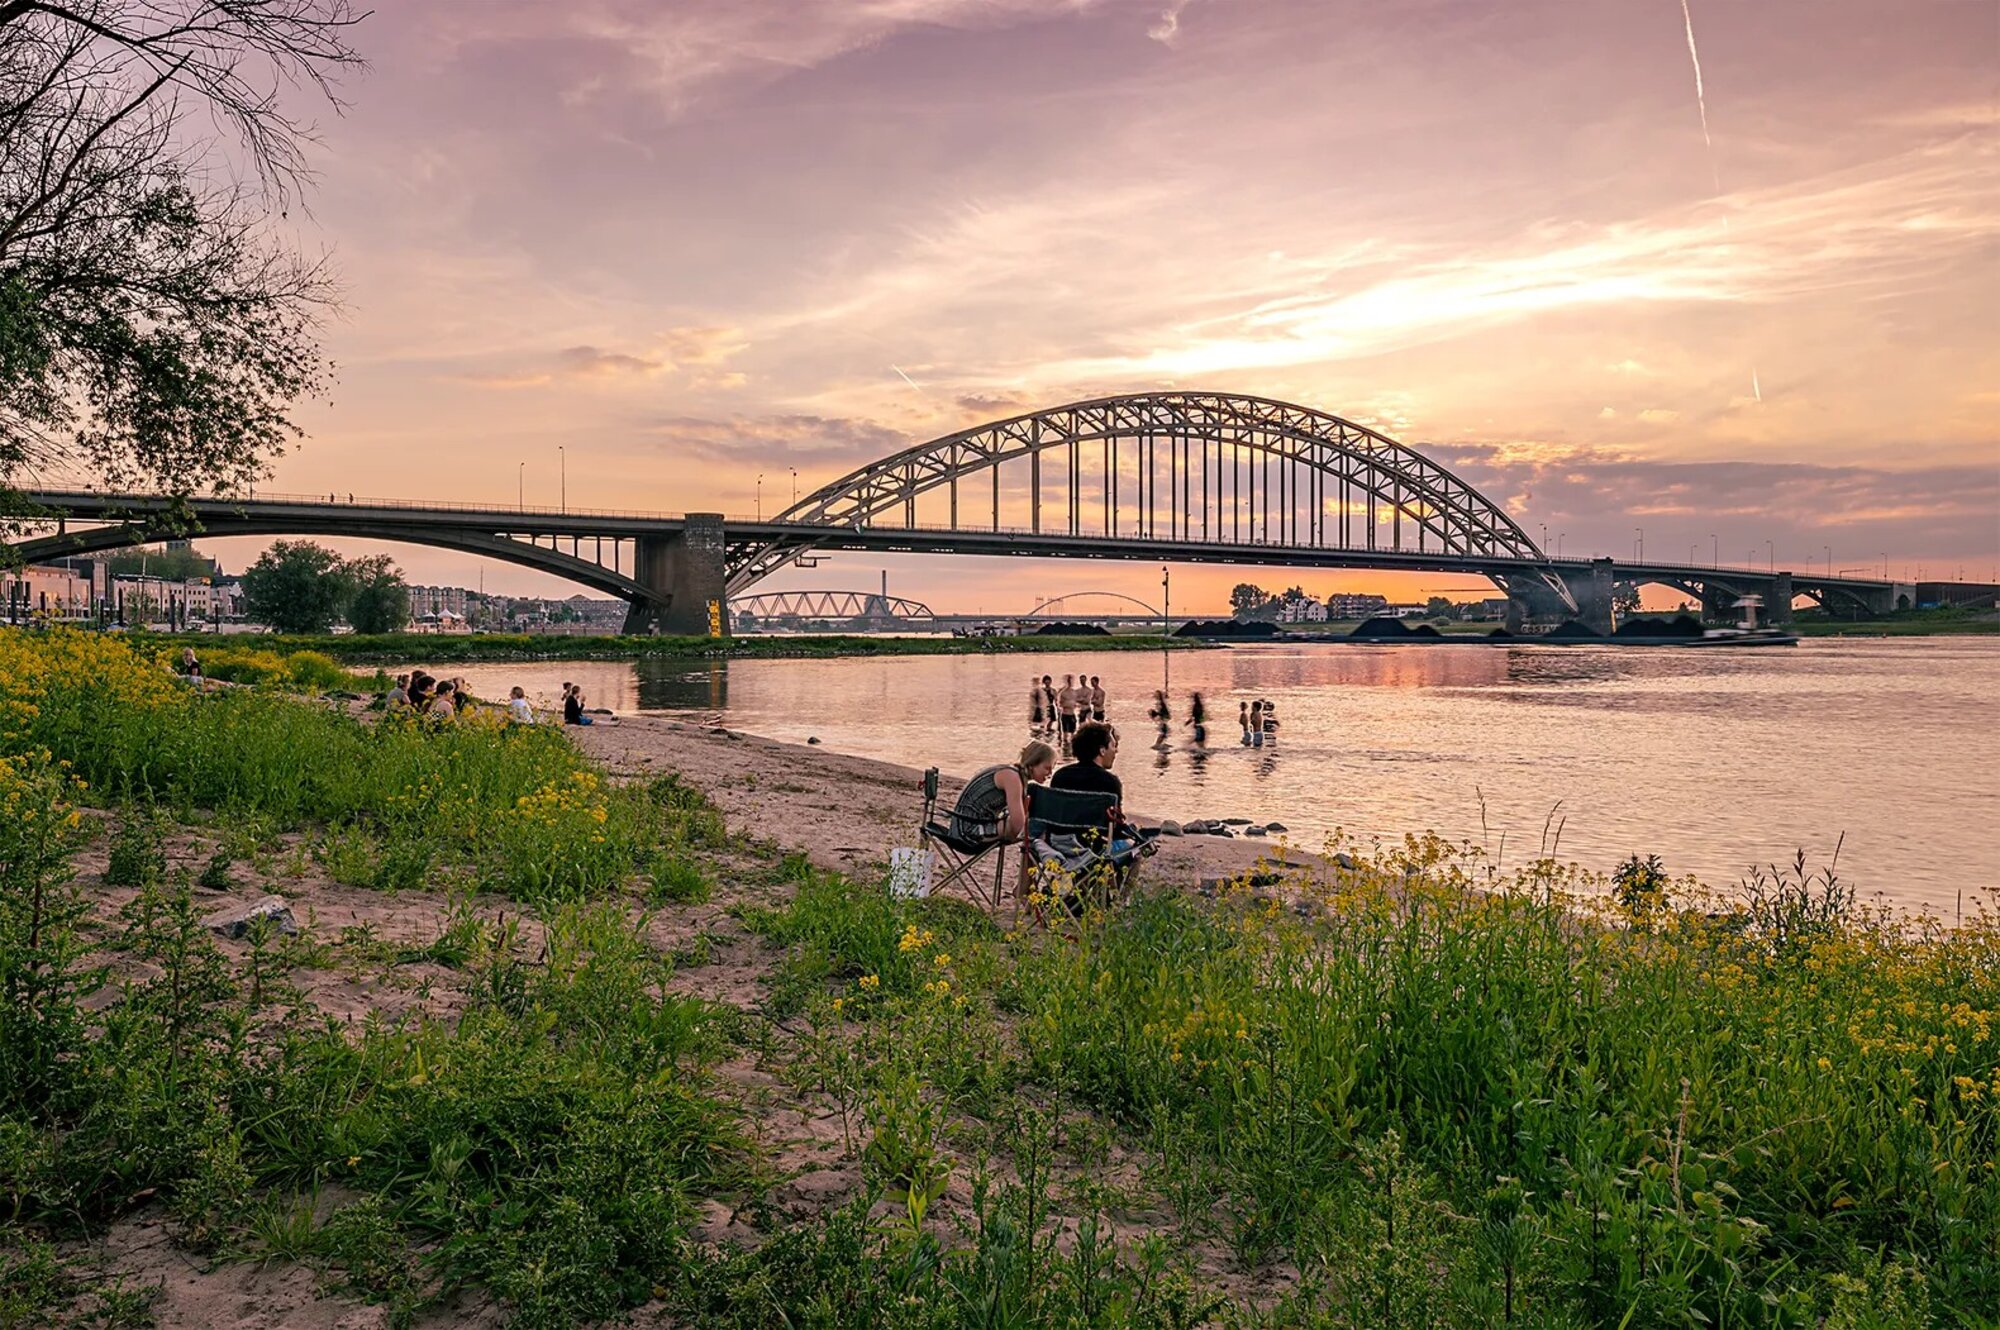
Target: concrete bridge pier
{"points": [[1532, 600], [684, 572], [1778, 600]]}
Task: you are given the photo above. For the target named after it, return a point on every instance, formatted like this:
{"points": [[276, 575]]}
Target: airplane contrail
{"points": [[1714, 171], [1700, 101], [907, 379]]}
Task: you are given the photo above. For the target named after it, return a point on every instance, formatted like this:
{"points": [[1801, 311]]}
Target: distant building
{"points": [[428, 602], [45, 591], [1355, 607], [1302, 610]]}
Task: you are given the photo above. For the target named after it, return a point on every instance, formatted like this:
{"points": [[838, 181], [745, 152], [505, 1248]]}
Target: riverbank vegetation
{"points": [[458, 648], [1417, 1092]]}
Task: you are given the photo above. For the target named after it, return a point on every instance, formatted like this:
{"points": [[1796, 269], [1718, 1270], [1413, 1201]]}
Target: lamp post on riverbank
{"points": [[1166, 602]]}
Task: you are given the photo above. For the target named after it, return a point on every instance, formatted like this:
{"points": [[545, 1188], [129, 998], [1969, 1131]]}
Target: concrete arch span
{"points": [[569, 567]]}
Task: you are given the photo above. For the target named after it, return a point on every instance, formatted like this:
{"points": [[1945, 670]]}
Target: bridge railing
{"points": [[52, 498]]}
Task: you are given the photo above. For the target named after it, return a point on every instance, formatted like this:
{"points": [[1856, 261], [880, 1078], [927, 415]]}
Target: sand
{"points": [[845, 812]]}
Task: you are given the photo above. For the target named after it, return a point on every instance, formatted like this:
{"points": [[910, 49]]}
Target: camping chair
{"points": [[964, 847], [1069, 832]]}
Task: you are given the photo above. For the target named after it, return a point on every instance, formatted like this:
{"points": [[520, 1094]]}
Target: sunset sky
{"points": [[696, 240]]}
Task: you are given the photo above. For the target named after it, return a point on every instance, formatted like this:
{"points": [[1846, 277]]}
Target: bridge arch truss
{"points": [[1167, 468], [829, 605]]}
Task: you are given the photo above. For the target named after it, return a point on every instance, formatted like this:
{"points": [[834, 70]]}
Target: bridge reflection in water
{"points": [[1166, 477]]}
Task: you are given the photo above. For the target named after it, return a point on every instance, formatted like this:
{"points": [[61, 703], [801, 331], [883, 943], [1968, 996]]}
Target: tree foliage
{"points": [[381, 599], [297, 586], [1246, 599], [175, 565], [154, 326]]}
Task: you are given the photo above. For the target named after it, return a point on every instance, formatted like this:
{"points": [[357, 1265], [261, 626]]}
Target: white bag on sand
{"points": [[910, 872]]}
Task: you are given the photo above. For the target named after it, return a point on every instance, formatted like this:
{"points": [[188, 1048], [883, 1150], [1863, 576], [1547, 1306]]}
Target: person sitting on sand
{"points": [[420, 690], [398, 700], [518, 710], [573, 713], [993, 806], [441, 709], [461, 697]]}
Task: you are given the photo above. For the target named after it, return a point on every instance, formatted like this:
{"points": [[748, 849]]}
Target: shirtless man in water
{"points": [[1067, 701]]}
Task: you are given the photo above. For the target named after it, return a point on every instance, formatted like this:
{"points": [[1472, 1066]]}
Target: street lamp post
{"points": [[1640, 555], [521, 488], [1691, 550], [760, 496], [1545, 535], [1885, 566], [562, 476], [795, 487], [1166, 602], [1559, 543], [1771, 546], [1717, 551], [1829, 561]]}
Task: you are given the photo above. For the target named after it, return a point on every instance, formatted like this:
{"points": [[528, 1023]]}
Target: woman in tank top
{"points": [[993, 806]]}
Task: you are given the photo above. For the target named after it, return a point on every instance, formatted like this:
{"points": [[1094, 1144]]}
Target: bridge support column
{"points": [[1593, 597], [683, 572], [1778, 602]]}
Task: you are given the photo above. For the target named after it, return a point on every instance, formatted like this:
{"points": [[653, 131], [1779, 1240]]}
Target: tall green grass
{"points": [[1701, 1119], [518, 803]]}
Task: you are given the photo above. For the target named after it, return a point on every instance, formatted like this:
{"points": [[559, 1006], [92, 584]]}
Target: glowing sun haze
{"points": [[690, 242]]}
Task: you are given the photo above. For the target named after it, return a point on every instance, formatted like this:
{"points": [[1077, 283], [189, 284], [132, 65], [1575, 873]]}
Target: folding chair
{"points": [[965, 846], [1069, 835]]}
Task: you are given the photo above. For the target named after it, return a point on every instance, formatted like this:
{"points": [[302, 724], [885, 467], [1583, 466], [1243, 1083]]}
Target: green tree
{"points": [[175, 565], [1625, 598], [296, 587], [154, 326], [381, 599], [1438, 607], [1246, 599]]}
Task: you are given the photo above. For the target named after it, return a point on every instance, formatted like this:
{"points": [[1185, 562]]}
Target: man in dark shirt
{"points": [[1096, 748]]}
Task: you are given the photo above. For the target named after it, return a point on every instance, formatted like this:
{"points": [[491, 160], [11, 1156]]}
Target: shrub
{"points": [[137, 853]]}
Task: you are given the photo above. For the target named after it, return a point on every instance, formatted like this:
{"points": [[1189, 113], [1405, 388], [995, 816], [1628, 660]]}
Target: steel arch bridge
{"points": [[1170, 477], [1162, 469], [1150, 611], [844, 605]]}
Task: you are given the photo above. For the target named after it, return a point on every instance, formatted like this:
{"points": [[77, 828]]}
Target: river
{"points": [[1718, 761]]}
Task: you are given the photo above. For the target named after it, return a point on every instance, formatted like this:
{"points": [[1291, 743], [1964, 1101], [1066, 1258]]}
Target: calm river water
{"points": [[1715, 760]]}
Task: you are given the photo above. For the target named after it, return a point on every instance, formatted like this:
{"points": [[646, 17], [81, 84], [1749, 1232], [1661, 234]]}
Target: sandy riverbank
{"points": [[845, 812]]}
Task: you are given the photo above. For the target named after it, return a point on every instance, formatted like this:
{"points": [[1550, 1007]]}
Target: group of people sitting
{"points": [[440, 700], [444, 700], [993, 806]]}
